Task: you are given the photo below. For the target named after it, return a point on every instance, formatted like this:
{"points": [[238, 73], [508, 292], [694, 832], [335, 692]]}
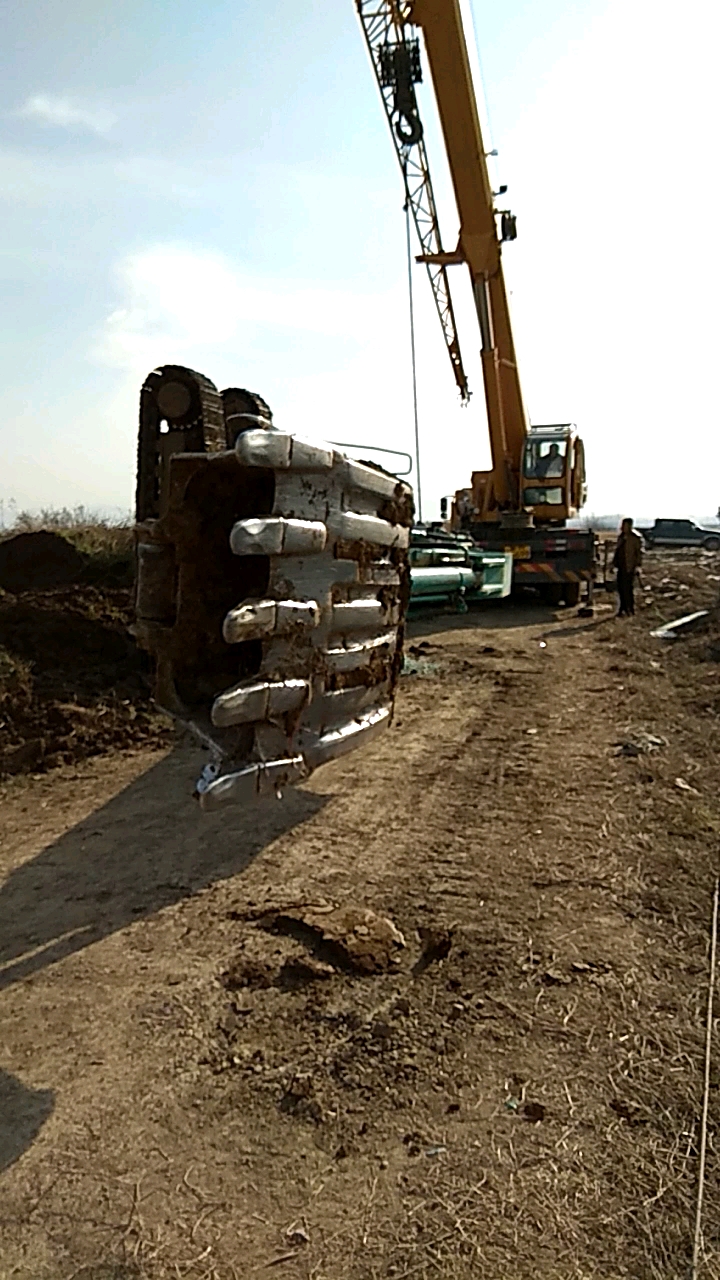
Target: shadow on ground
{"points": [[501, 615], [580, 627], [147, 848], [23, 1113]]}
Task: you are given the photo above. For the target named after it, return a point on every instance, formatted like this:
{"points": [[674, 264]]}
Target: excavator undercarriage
{"points": [[271, 589]]}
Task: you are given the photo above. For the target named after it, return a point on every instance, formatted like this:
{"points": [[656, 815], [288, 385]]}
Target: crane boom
{"points": [[538, 473], [395, 58], [479, 245]]}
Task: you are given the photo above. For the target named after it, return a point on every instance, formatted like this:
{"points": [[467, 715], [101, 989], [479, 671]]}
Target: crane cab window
{"points": [[537, 497], [545, 459]]}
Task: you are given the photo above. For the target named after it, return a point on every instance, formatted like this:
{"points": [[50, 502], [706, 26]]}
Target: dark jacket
{"points": [[628, 552]]}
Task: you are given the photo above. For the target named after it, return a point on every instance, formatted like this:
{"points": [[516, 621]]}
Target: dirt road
{"points": [[198, 1081]]}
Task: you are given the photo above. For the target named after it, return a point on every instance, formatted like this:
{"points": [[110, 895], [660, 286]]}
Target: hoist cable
{"points": [[414, 363]]}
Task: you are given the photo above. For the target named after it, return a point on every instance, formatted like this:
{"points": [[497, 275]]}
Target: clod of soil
{"points": [[350, 937]]}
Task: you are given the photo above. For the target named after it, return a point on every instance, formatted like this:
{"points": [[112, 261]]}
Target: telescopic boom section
{"points": [[479, 244]]}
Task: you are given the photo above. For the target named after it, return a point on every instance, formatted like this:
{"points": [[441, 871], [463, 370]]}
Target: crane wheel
{"points": [[552, 594]]}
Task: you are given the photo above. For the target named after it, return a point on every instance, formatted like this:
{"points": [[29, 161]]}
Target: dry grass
{"points": [[612, 1195]]}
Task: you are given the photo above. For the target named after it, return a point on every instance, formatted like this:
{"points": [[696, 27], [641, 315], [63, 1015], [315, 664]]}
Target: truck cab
{"points": [[553, 473]]}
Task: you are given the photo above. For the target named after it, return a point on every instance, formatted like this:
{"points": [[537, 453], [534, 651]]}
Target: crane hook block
{"points": [[398, 67], [409, 129]]}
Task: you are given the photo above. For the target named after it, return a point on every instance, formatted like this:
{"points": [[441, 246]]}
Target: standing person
{"points": [[627, 560]]}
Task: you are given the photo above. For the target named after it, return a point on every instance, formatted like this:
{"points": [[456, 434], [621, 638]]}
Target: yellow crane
{"points": [[537, 479]]}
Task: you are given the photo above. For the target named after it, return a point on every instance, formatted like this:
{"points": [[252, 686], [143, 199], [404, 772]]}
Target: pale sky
{"points": [[215, 185]]}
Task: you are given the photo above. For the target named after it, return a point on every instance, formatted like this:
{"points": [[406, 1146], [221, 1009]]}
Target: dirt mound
{"points": [[37, 561], [72, 681]]}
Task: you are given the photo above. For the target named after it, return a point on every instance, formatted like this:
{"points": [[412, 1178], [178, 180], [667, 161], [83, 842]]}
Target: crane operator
{"points": [[552, 466]]}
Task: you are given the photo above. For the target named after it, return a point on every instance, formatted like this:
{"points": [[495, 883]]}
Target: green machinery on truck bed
{"points": [[447, 569]]}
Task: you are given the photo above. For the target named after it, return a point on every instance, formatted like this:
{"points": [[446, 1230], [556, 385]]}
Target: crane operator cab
{"points": [[553, 473]]}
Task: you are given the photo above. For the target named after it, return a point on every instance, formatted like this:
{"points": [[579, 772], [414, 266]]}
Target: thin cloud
{"points": [[186, 301], [325, 358], [61, 113]]}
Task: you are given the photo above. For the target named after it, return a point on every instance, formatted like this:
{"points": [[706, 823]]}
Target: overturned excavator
{"points": [[271, 585]]}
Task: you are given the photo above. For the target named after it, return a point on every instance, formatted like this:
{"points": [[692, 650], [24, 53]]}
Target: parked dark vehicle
{"points": [[680, 533]]}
